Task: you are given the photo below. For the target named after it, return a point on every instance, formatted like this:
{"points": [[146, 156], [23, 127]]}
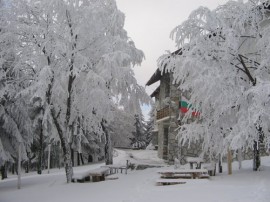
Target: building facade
{"points": [[168, 119]]}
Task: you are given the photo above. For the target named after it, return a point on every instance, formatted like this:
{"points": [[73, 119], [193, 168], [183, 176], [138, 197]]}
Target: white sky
{"points": [[149, 23]]}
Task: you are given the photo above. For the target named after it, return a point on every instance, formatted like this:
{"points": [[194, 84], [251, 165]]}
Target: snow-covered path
{"points": [[139, 186]]}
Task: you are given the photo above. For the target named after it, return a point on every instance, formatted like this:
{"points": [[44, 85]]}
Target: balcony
{"points": [[164, 113]]}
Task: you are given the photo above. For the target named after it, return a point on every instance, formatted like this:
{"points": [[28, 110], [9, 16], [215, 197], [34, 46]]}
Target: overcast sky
{"points": [[149, 23]]}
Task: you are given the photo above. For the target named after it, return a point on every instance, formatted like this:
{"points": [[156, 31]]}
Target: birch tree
{"points": [[83, 58]]}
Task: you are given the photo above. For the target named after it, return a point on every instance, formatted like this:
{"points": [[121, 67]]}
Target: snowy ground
{"points": [[139, 185]]}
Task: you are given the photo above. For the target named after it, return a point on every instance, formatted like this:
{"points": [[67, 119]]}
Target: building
{"points": [[168, 119]]}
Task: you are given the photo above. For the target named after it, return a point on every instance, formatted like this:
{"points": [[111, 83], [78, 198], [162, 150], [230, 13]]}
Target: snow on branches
{"points": [[223, 60], [78, 58]]}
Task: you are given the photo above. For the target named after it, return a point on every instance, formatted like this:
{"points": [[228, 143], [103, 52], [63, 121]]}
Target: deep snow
{"points": [[139, 185]]}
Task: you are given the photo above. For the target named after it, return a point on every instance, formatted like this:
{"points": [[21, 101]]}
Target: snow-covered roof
{"points": [[157, 75], [154, 78]]}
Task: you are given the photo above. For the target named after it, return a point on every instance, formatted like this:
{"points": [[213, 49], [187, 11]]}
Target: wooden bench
{"points": [[161, 182], [195, 173], [177, 176]]}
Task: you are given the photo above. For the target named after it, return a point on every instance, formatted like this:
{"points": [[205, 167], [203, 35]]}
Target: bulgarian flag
{"points": [[185, 106], [196, 113]]}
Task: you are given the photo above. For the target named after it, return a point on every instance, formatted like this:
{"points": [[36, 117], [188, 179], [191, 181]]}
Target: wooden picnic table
{"points": [[195, 160], [97, 174], [195, 173]]}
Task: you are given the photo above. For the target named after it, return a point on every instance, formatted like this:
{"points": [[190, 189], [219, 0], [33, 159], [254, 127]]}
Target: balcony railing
{"points": [[163, 113]]}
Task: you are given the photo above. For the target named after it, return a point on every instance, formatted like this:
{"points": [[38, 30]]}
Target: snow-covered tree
{"points": [[122, 127], [14, 119], [139, 136], [223, 61], [150, 125], [82, 58]]}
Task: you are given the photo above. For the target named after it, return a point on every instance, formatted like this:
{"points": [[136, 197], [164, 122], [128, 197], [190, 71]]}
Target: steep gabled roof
{"points": [[154, 78], [157, 75]]}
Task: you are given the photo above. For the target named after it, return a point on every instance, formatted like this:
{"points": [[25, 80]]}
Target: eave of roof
{"points": [[154, 78], [157, 75]]}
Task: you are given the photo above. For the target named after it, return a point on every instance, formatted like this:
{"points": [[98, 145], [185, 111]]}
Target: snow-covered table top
{"points": [[83, 174], [183, 171], [114, 166], [98, 171], [194, 160]]}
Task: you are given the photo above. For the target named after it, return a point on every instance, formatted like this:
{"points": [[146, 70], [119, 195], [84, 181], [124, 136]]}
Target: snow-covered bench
{"points": [[96, 175], [80, 177], [161, 182], [195, 173]]}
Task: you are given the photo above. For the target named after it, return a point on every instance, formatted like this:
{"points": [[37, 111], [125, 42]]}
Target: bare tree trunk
{"points": [[49, 157], [256, 156], [4, 171], [67, 159], [220, 164], [59, 156], [72, 156], [240, 158], [68, 163], [82, 158], [78, 159], [40, 149], [63, 138], [66, 149], [19, 165], [13, 168], [108, 144]]}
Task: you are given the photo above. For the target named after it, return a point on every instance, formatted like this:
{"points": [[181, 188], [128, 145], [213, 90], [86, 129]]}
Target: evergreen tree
{"points": [[122, 127], [139, 138], [150, 125]]}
